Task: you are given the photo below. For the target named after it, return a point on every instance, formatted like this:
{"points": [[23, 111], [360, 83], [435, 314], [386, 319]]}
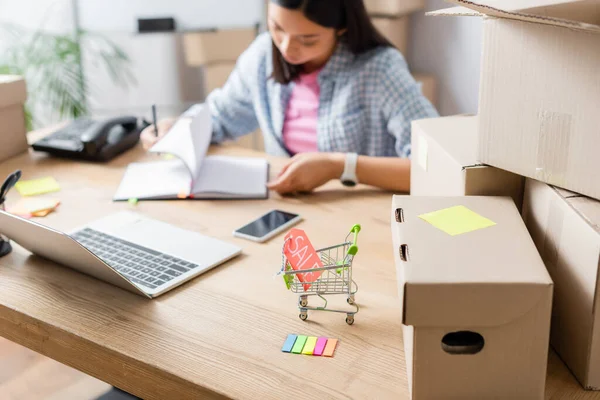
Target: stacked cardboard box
{"points": [[475, 299], [445, 162], [13, 139], [392, 19], [538, 118], [216, 52]]}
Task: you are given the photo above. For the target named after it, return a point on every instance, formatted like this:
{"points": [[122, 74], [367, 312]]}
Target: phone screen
{"points": [[267, 223]]}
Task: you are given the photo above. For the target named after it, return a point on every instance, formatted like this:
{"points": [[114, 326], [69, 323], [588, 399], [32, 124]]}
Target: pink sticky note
{"points": [[320, 346]]}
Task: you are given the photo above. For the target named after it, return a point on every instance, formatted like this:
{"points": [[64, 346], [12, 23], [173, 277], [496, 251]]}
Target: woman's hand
{"points": [[307, 171], [149, 136]]}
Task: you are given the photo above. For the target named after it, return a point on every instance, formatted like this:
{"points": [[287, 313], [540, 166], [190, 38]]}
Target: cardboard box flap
{"points": [[580, 15], [12, 90], [485, 277], [588, 209]]}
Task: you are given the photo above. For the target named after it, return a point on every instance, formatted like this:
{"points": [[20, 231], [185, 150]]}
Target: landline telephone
{"points": [[93, 140]]}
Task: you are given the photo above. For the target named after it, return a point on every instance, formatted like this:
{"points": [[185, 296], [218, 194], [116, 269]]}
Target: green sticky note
{"points": [[37, 186], [309, 347], [299, 345], [457, 220]]}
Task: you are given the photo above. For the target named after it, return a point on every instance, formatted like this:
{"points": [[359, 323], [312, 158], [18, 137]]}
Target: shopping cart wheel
{"points": [[350, 299], [303, 316], [350, 319], [303, 302]]}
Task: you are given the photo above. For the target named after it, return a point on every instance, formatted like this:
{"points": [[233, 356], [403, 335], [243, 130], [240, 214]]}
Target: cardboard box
{"points": [[444, 154], [393, 8], [396, 30], [539, 115], [13, 138], [216, 75], [475, 306], [202, 48], [429, 86], [566, 230]]}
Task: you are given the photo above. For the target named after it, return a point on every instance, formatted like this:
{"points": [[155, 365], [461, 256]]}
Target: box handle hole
{"points": [[399, 215], [404, 252], [463, 342]]}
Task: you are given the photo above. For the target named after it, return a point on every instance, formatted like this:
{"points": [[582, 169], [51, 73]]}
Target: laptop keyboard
{"points": [[140, 265]]}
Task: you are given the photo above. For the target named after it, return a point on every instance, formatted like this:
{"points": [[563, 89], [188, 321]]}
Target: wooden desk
{"points": [[219, 335]]}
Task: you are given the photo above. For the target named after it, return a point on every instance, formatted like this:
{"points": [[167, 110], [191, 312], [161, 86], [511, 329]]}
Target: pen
{"points": [[154, 119]]}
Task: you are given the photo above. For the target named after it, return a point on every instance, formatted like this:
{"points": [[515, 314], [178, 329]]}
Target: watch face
{"points": [[349, 183]]}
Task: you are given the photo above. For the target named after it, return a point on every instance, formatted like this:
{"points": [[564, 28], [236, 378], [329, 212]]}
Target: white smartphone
{"points": [[265, 227]]}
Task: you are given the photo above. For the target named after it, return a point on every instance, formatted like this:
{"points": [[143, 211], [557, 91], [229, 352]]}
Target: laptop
{"points": [[126, 249]]}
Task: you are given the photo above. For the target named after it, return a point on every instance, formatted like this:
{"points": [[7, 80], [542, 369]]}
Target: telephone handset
{"points": [[93, 140]]}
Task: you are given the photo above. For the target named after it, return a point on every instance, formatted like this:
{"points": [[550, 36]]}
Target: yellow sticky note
{"points": [[33, 205], [37, 186], [457, 220], [309, 346]]}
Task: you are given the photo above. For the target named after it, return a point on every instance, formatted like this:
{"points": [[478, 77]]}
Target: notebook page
{"points": [[149, 180], [240, 177], [188, 139], [178, 142], [201, 129]]}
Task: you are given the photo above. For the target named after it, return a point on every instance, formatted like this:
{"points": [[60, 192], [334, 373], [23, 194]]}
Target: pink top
{"points": [[300, 126]]}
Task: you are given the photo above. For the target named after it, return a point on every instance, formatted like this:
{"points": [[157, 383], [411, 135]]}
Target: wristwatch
{"points": [[349, 178]]}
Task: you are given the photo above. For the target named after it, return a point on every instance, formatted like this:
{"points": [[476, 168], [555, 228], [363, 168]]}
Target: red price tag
{"points": [[301, 255]]}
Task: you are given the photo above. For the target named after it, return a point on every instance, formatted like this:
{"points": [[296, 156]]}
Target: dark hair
{"points": [[351, 15]]}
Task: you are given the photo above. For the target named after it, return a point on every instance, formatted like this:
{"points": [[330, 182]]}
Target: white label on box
{"points": [[423, 152]]}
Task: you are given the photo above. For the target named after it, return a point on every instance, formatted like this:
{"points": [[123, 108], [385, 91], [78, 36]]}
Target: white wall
{"points": [[450, 48], [49, 15], [121, 15], [157, 59]]}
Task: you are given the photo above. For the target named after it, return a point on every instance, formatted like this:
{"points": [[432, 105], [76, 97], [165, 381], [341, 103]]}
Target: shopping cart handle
{"points": [[354, 248]]}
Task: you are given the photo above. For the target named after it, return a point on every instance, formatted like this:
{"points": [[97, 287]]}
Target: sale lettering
{"points": [[301, 255]]}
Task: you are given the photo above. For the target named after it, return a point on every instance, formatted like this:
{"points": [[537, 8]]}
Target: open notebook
{"points": [[191, 173]]}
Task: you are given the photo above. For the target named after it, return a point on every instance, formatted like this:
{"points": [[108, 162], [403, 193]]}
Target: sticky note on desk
{"points": [[299, 345], [457, 220], [34, 206], [320, 346], [35, 187], [309, 346], [330, 348], [289, 343]]}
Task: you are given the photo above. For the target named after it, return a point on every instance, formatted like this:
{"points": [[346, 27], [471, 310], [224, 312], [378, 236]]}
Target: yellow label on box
{"points": [[457, 220]]}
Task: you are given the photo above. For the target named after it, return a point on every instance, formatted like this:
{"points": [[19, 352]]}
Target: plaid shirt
{"points": [[367, 102]]}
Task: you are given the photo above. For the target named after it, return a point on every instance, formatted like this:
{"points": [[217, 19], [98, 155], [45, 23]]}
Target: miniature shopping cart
{"points": [[335, 277]]}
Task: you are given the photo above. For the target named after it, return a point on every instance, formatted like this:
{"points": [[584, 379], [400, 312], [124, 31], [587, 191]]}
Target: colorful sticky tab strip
{"points": [[330, 348], [309, 347], [37, 186], [457, 220], [299, 345], [289, 343], [320, 346]]}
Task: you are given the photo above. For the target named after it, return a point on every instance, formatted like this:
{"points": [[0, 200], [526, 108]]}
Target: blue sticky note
{"points": [[289, 343]]}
